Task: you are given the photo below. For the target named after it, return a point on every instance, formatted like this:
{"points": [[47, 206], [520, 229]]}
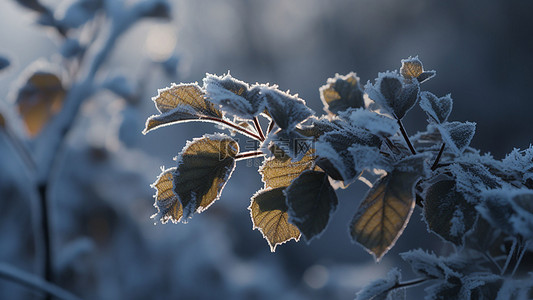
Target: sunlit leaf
{"points": [[234, 96], [341, 93], [268, 210], [411, 67], [311, 201], [204, 167], [285, 109], [180, 103], [166, 201], [277, 172], [387, 207], [39, 100], [438, 109], [447, 212]]}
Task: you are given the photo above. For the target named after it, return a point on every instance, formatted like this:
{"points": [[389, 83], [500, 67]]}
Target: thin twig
{"points": [[259, 129], [410, 283], [437, 159], [522, 252], [248, 155], [492, 260], [509, 257], [233, 126], [16, 275], [406, 137]]}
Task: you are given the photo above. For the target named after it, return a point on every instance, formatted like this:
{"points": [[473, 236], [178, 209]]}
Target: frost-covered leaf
{"points": [[203, 168], [285, 109], [180, 103], [384, 213], [4, 63], [369, 158], [318, 127], [341, 93], [457, 135], [166, 201], [425, 76], [393, 93], [447, 213], [234, 96], [510, 210], [39, 100], [516, 289], [290, 143], [411, 68], [277, 172], [334, 146], [268, 210], [381, 288], [438, 109], [427, 264], [473, 178], [311, 201], [375, 123]]}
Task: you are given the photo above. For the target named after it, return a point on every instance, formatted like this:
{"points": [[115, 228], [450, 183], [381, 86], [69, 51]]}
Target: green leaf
{"points": [[269, 214], [278, 172], [341, 93], [166, 201], [387, 207], [447, 212], [311, 201], [181, 103], [204, 166]]}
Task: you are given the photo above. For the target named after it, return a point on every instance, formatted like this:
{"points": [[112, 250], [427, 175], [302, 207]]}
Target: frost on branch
{"points": [[180, 103], [311, 201], [234, 96], [268, 210], [381, 288], [438, 109], [341, 93], [203, 168], [393, 93], [382, 216], [166, 201]]}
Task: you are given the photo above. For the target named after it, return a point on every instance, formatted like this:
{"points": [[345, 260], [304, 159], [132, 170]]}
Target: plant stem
{"points": [[16, 275], [406, 137], [437, 159], [45, 224], [410, 283], [509, 257], [233, 126], [270, 126], [259, 129], [522, 252], [248, 155]]}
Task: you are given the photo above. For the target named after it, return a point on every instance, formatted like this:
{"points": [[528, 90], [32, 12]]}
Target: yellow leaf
{"points": [[269, 214], [341, 93], [39, 100], [411, 68], [181, 103], [277, 172], [166, 201], [385, 211], [204, 166]]}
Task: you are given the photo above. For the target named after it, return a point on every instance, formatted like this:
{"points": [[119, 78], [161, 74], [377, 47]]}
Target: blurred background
{"points": [[104, 244]]}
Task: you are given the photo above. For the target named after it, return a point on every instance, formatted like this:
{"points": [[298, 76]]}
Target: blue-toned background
{"points": [[104, 243]]}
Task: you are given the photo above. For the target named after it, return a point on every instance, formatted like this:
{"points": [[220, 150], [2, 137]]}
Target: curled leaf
{"points": [[268, 210], [387, 208], [311, 201], [204, 167], [341, 93], [180, 103], [166, 201]]}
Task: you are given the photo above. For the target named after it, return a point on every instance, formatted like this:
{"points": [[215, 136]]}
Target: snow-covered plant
{"points": [[482, 206]]}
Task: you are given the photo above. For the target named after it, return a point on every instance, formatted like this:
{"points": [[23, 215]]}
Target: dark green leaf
{"points": [[180, 103], [285, 109], [204, 167], [447, 212], [268, 210], [341, 93], [311, 201], [387, 207]]}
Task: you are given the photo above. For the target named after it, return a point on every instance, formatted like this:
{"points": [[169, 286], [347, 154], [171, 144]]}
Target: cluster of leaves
{"points": [[461, 192]]}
